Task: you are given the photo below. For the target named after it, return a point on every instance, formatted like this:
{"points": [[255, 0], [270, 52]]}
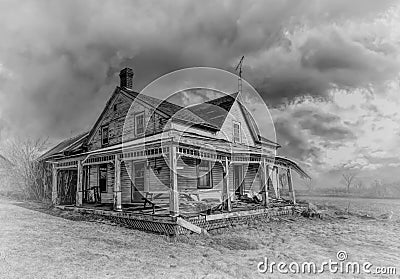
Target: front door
{"points": [[238, 180], [138, 182]]}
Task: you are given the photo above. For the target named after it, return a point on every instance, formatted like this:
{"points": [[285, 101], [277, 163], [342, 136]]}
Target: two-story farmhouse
{"points": [[152, 156]]}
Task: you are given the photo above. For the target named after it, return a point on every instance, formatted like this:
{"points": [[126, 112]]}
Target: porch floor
{"points": [[138, 217]]}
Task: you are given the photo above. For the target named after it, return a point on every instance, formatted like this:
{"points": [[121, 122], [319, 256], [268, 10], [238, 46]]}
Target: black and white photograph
{"points": [[199, 139]]}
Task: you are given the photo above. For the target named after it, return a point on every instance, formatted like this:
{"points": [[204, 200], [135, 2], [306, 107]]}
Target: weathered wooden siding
{"points": [[226, 131], [217, 175], [115, 121], [187, 179], [107, 197], [120, 118], [126, 182], [159, 182], [252, 179], [93, 176]]}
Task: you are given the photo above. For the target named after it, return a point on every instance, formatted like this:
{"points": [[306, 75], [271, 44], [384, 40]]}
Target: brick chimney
{"points": [[126, 78]]}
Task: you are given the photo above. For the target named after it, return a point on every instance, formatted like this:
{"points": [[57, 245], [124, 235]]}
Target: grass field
{"points": [[67, 245]]}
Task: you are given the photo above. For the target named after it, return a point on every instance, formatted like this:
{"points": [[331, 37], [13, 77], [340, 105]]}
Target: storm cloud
{"points": [[60, 59]]}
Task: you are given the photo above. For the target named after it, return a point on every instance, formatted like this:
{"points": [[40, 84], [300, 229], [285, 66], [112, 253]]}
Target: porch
{"points": [[162, 222], [186, 182]]}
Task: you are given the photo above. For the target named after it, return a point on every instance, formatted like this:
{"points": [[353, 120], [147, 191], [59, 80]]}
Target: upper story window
{"points": [[104, 135], [139, 124], [236, 131]]}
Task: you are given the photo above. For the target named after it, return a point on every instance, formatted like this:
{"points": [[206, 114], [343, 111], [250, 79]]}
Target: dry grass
{"points": [[38, 245]]}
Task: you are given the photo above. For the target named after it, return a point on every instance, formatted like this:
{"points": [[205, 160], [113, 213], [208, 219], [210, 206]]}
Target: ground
{"points": [[34, 244]]}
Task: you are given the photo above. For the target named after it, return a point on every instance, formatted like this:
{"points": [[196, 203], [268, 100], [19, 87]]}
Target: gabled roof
{"points": [[209, 115], [66, 145], [170, 110], [216, 110], [165, 108]]}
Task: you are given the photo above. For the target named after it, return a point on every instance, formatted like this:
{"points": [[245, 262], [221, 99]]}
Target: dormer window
{"points": [[104, 135], [236, 131], [139, 124]]}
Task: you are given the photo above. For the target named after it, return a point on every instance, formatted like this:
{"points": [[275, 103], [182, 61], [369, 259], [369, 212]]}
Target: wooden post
{"points": [[290, 184], [54, 188], [79, 195], [264, 181], [147, 171], [226, 199], [274, 181], [278, 190], [173, 191], [117, 184]]}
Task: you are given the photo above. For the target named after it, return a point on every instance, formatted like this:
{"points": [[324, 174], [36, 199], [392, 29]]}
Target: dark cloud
{"points": [[64, 56], [295, 143], [321, 124]]}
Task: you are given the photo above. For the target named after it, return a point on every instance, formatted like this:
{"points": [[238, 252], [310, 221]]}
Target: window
{"points": [[103, 178], [236, 131], [104, 135], [139, 124], [204, 180]]}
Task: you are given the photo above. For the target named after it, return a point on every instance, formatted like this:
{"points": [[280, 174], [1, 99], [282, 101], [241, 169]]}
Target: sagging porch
{"points": [[170, 181]]}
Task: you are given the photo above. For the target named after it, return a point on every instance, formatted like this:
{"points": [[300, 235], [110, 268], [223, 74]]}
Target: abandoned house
{"points": [[146, 159]]}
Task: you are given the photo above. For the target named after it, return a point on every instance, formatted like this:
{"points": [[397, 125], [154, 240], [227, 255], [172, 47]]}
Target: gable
{"points": [[236, 115], [112, 115], [118, 116]]}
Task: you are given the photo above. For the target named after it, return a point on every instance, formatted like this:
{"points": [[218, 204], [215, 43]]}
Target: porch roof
{"points": [[292, 164]]}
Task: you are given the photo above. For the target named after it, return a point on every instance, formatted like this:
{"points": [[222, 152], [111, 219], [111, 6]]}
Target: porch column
{"points": [[290, 184], [264, 181], [54, 188], [117, 184], [173, 191], [147, 171], [274, 181], [79, 195], [226, 199]]}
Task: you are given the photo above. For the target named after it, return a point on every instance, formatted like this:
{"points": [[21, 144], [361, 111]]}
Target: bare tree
{"points": [[348, 179], [359, 184], [27, 172]]}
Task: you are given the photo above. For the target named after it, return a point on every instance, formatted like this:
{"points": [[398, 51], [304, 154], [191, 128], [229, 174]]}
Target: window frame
{"points": [[207, 174], [106, 178], [138, 114], [102, 135], [239, 131]]}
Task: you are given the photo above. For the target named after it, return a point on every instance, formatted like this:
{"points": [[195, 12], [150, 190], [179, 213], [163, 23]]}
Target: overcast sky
{"points": [[328, 69]]}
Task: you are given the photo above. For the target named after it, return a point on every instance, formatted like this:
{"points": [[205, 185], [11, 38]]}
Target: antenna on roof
{"points": [[238, 69]]}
